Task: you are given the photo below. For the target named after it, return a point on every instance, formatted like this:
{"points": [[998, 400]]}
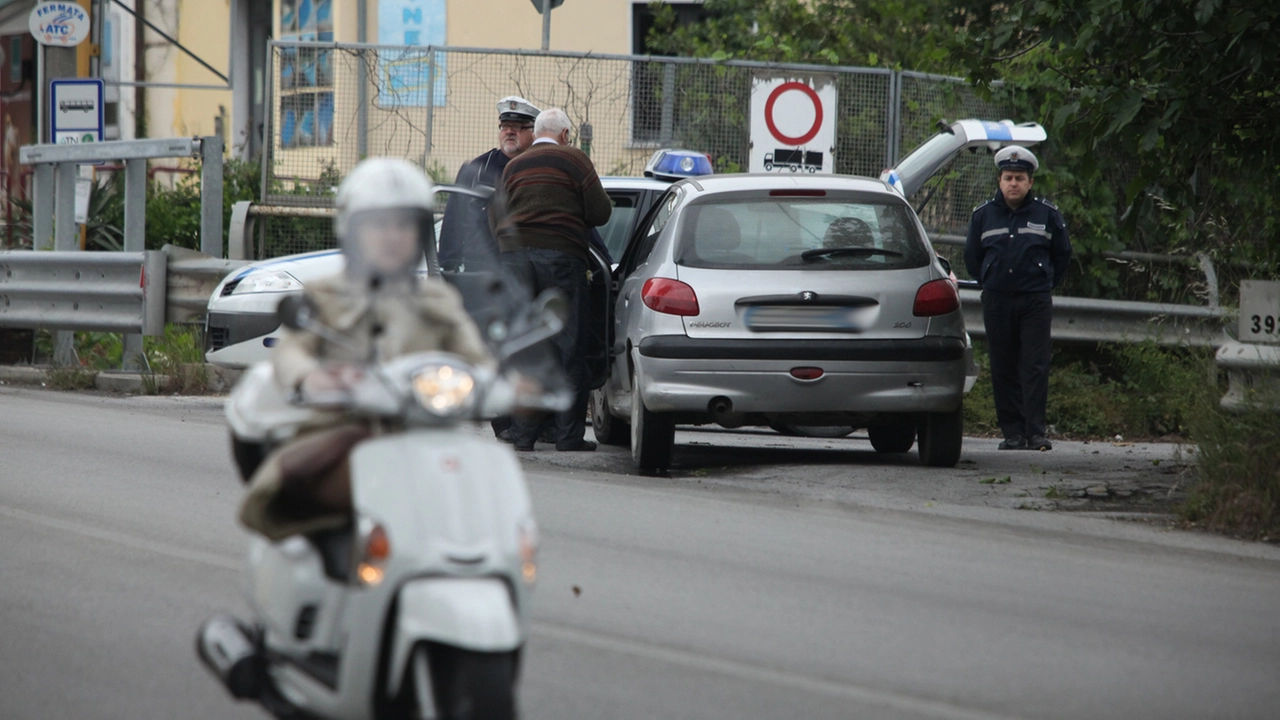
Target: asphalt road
{"points": [[766, 577]]}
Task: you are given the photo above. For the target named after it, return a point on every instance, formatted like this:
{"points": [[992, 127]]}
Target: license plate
{"points": [[777, 318]]}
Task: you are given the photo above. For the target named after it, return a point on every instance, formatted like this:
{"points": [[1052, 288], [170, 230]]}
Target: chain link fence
{"points": [[335, 104]]}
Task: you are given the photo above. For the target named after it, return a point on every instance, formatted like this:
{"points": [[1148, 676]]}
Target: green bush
{"points": [[178, 353], [1237, 483]]}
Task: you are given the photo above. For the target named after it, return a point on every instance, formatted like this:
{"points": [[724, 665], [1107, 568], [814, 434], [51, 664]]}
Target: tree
{"points": [[890, 33], [1170, 103]]}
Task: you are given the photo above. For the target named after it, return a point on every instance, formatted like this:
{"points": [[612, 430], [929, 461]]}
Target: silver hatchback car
{"points": [[783, 300]]}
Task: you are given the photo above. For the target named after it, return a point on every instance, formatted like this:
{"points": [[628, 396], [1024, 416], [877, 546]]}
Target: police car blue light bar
{"points": [[677, 164]]}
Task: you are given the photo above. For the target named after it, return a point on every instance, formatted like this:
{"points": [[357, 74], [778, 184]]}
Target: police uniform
{"points": [[465, 238], [1018, 255]]}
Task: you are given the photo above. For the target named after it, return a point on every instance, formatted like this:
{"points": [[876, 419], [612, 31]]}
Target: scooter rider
{"points": [[378, 308]]}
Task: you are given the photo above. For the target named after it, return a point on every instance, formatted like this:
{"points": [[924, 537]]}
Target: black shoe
{"points": [[1013, 443], [1039, 442], [522, 448], [580, 446], [504, 436]]}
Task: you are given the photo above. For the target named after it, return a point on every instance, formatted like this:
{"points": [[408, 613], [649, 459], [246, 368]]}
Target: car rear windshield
{"points": [[787, 232]]}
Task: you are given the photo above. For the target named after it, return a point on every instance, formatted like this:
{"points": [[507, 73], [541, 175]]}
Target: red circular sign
{"points": [[817, 113]]}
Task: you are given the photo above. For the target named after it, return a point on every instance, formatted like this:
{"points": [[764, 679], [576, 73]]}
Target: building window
{"points": [[306, 74]]}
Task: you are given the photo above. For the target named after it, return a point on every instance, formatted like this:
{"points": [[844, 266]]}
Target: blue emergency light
{"points": [[676, 164]]}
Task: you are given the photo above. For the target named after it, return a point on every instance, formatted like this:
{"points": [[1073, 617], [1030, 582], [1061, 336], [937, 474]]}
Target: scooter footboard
{"points": [[470, 613]]}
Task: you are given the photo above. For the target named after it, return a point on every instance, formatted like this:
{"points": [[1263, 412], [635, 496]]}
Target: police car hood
{"points": [[920, 164]]}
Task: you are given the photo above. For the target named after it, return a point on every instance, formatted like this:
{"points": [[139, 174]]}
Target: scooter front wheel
{"points": [[464, 684]]}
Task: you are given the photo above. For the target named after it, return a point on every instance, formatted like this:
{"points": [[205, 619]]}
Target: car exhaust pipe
{"points": [[229, 652], [721, 409]]}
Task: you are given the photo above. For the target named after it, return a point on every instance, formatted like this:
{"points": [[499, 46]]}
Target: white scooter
{"points": [[419, 609]]}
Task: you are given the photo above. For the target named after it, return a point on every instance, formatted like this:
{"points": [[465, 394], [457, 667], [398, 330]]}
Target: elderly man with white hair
{"points": [[551, 198]]}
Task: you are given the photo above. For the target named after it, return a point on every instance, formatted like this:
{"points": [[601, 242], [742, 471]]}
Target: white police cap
{"points": [[514, 107], [1016, 157]]}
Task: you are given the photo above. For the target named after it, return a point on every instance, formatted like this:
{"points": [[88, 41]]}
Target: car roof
{"points": [[633, 183], [763, 181]]}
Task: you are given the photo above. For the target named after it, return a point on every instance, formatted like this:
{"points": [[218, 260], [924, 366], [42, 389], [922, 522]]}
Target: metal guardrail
{"points": [[192, 278], [1077, 319], [107, 292], [1080, 319], [243, 215], [53, 203]]}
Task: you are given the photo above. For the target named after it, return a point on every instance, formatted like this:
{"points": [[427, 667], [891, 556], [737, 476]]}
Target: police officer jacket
{"points": [[465, 238], [1017, 250]]}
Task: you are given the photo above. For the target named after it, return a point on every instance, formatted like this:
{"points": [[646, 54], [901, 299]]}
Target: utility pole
{"points": [[546, 24]]}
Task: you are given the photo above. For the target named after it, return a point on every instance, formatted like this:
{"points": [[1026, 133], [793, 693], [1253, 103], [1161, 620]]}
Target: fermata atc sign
{"points": [[60, 24]]}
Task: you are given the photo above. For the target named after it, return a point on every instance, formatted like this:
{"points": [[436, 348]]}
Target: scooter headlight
{"points": [[444, 390]]}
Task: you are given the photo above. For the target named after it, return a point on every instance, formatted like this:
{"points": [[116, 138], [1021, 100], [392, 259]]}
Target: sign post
{"points": [[75, 111], [793, 124]]}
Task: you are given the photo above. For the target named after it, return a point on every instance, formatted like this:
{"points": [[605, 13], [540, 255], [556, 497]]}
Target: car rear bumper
{"points": [[681, 374]]}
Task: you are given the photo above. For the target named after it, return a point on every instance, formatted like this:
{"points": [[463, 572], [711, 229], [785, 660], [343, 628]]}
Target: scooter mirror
{"points": [[546, 318], [551, 307], [293, 312]]}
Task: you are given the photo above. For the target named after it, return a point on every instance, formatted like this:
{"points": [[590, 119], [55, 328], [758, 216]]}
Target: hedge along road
{"points": [[776, 578]]}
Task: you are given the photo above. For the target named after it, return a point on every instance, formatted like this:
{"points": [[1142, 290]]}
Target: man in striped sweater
{"points": [[549, 200]]}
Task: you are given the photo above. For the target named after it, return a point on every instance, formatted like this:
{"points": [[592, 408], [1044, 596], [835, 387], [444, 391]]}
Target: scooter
{"points": [[419, 609]]}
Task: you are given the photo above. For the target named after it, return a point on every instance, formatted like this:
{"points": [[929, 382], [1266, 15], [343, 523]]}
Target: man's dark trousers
{"points": [[541, 269], [1018, 345]]}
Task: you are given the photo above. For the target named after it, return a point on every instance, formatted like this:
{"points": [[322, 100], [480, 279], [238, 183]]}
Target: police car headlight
{"points": [[267, 282], [444, 390]]}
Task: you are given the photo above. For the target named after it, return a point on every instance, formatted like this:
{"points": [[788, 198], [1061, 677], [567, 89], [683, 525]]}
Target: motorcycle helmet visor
{"points": [[386, 244]]}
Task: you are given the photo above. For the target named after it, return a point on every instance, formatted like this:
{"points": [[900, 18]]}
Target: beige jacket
{"points": [[433, 320]]}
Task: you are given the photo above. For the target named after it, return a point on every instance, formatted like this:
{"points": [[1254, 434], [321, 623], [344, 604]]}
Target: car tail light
{"points": [[669, 296], [936, 297]]}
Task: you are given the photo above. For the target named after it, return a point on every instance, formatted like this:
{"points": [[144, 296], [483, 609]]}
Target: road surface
{"points": [[791, 581]]}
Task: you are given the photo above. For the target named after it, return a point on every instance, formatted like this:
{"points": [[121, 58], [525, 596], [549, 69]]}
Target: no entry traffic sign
{"points": [[793, 123], [770, 106]]}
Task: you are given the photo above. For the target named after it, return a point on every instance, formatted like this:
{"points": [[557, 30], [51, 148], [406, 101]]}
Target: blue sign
{"points": [[406, 76], [75, 111]]}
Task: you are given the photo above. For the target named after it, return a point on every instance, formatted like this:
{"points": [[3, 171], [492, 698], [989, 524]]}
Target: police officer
{"points": [[1017, 250], [465, 239]]}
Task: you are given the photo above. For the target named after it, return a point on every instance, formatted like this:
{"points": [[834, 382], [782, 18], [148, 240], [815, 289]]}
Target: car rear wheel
{"points": [[891, 438], [652, 434], [941, 435], [608, 429]]}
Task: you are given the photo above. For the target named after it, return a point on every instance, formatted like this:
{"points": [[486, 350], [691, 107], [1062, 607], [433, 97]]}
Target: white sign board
{"points": [[1259, 311], [61, 24], [793, 124], [84, 189], [75, 111]]}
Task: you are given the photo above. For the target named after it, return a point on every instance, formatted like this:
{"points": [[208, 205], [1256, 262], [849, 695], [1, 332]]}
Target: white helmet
{"points": [[383, 220], [381, 183]]}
